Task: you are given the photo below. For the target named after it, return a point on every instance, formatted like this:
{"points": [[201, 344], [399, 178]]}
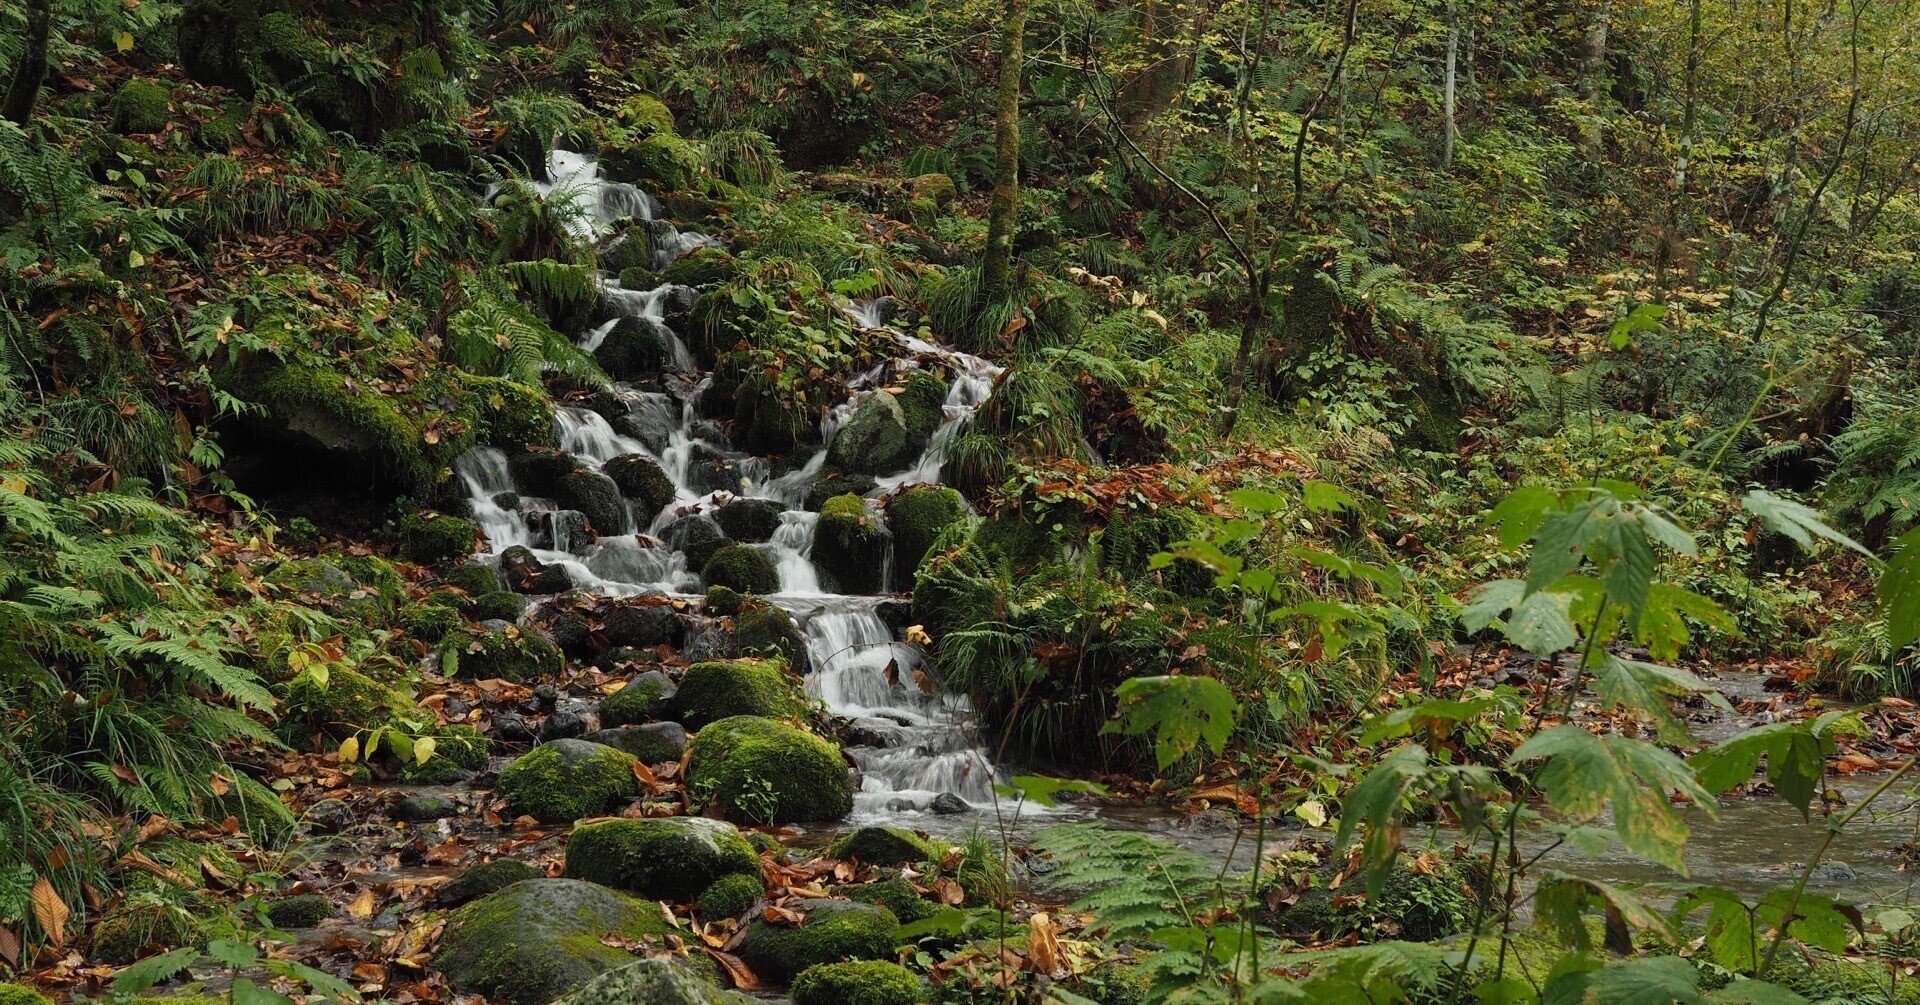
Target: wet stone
{"points": [[563, 725], [948, 804], [425, 808], [512, 727]]}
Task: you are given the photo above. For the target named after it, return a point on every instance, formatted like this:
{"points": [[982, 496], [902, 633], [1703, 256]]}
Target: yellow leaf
{"points": [[1313, 812], [423, 749], [136, 259], [123, 40], [350, 750], [918, 636], [362, 906]]}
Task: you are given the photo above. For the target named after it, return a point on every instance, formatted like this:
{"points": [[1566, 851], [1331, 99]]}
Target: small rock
{"points": [[423, 808], [563, 725], [330, 816], [547, 695], [948, 804], [512, 727], [652, 743], [1834, 872], [870, 731]]}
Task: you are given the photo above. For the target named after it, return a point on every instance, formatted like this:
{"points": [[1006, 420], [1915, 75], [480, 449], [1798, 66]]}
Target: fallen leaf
{"points": [[50, 911]]}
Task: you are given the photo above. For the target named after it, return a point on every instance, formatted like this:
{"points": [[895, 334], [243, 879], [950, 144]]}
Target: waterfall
{"points": [[911, 741]]}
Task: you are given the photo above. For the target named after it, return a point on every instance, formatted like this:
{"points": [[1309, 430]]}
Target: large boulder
{"points": [[642, 626], [650, 743], [749, 520], [741, 567], [915, 518], [697, 535], [874, 440], [539, 472], [884, 846], [663, 980], [767, 772], [760, 628], [503, 652], [632, 350], [833, 931], [850, 547], [641, 480], [670, 858], [643, 699], [432, 540], [596, 497], [565, 780], [923, 401], [537, 939], [715, 690]]}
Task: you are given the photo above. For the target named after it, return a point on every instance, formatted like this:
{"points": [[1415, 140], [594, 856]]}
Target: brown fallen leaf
{"points": [[50, 911], [1043, 947], [742, 975], [362, 906]]}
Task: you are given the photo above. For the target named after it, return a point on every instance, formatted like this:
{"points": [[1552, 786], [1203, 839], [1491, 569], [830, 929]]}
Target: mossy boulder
{"points": [[565, 780], [320, 409], [895, 894], [760, 628], [126, 934], [643, 699], [651, 742], [640, 479], [499, 605], [767, 419], [874, 440], [724, 602], [916, 517], [484, 879], [701, 267], [730, 896], [348, 701], [834, 931], [715, 690], [833, 484], [540, 472], [595, 496], [743, 568], [662, 980], [923, 400], [537, 939], [670, 858], [633, 349], [766, 771], [431, 540], [863, 982], [884, 846], [644, 115], [698, 536], [365, 589], [749, 520], [642, 626], [140, 106], [303, 910], [661, 162], [472, 578], [850, 546], [430, 622], [505, 653]]}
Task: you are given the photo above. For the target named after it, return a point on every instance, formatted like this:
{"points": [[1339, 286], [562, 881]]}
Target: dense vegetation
{"points": [[1401, 402]]}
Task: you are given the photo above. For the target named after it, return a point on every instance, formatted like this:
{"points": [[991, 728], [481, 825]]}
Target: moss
{"points": [[300, 911], [498, 605], [511, 415], [730, 896], [641, 480], [474, 578], [766, 419], [765, 771], [741, 567], [917, 517], [537, 939], [644, 115], [369, 597], [226, 128], [431, 540], [672, 858], [643, 699], [348, 701], [123, 936], [895, 894], [923, 401], [884, 846], [140, 106], [850, 546], [834, 930], [864, 982], [484, 879], [430, 622], [320, 408], [20, 994], [873, 441], [763, 628], [701, 267], [715, 690], [833, 484], [723, 601], [934, 187], [663, 162], [437, 771], [638, 277], [511, 653], [565, 780], [460, 744]]}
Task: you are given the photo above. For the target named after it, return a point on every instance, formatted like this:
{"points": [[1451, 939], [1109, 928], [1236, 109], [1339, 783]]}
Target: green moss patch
{"points": [[565, 780], [765, 771], [864, 982], [884, 846], [716, 690], [540, 938], [730, 896], [741, 568], [643, 699], [672, 858], [834, 931], [510, 653]]}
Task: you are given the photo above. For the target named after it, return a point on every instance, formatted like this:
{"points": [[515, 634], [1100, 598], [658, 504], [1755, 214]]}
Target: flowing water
{"points": [[914, 744]]}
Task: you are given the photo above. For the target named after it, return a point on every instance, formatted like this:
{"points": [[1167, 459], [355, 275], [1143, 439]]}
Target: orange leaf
{"points": [[743, 977], [50, 911], [362, 906], [1043, 946]]}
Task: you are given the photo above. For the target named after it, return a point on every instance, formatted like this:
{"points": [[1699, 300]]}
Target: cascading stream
{"points": [[912, 742]]}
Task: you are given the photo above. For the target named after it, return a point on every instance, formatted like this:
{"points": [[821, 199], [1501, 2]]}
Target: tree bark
{"points": [[24, 89], [996, 269], [1593, 68], [1453, 61]]}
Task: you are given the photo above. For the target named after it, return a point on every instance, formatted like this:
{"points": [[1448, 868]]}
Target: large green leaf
{"points": [[1377, 802], [1899, 590], [1180, 712], [1798, 521], [1730, 933], [1661, 622], [1653, 980], [1433, 712], [1520, 514], [1563, 900], [1645, 687], [1796, 758], [1746, 992], [1586, 775]]}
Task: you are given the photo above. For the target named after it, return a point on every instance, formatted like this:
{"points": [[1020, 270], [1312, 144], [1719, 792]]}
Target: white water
{"points": [[860, 671]]}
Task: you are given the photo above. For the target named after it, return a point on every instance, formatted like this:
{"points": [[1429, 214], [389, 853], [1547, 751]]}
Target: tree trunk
{"points": [[1453, 62], [1593, 68], [24, 89], [996, 269]]}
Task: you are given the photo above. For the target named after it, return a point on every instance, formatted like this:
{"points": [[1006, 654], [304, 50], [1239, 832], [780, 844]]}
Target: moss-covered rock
{"points": [[916, 517], [364, 589], [431, 540], [461, 745], [670, 858], [430, 622], [662, 980], [475, 579], [701, 267], [642, 626], [895, 894], [484, 879], [565, 780], [632, 350], [509, 653], [765, 771], [512, 415], [850, 546], [749, 520], [640, 479], [864, 982], [499, 605], [348, 701], [761, 629], [715, 690], [537, 939], [540, 472], [20, 994], [698, 535], [644, 115], [643, 699], [834, 930], [874, 440], [923, 401], [651, 743], [140, 106], [595, 496], [303, 910], [125, 935], [833, 484], [766, 418], [884, 846], [743, 568], [661, 162], [724, 602], [730, 896]]}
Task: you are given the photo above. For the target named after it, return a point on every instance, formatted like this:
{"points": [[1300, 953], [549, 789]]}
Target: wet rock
{"points": [[640, 479], [743, 568], [1834, 872], [715, 690], [559, 530], [595, 495], [645, 697], [424, 808], [897, 615], [573, 633], [537, 939], [948, 804], [642, 626], [539, 472], [631, 350], [696, 535], [547, 697], [303, 910], [874, 441], [651, 742], [766, 771], [330, 816], [525, 573], [709, 470], [837, 483], [749, 520], [714, 641], [869, 731], [563, 725], [884, 846], [672, 858], [760, 628], [512, 727], [493, 650], [916, 517], [850, 547], [483, 879]]}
